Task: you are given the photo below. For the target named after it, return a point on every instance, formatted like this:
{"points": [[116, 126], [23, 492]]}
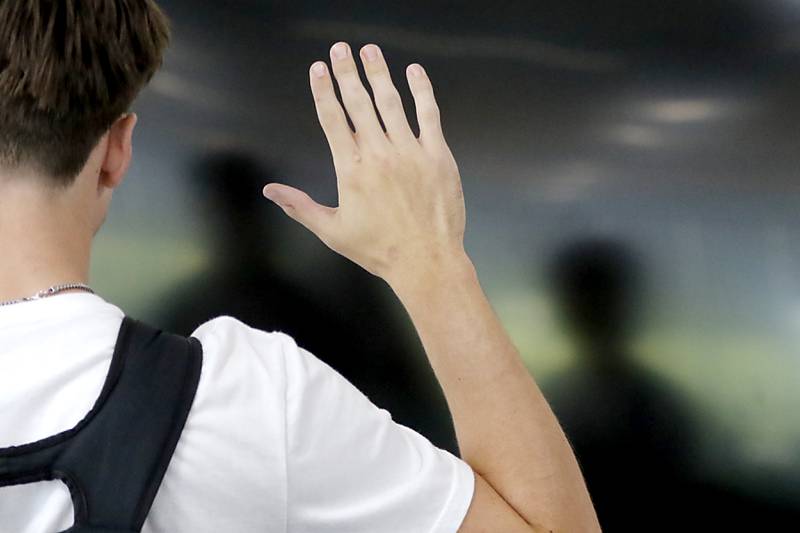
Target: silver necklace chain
{"points": [[44, 293]]}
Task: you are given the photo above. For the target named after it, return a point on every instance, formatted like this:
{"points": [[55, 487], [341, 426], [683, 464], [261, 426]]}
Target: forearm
{"points": [[506, 431]]}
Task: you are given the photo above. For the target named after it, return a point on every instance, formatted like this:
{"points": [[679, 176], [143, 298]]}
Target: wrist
{"points": [[442, 272]]}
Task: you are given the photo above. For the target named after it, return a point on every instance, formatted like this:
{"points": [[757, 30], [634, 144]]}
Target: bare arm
{"points": [[401, 217], [506, 430]]}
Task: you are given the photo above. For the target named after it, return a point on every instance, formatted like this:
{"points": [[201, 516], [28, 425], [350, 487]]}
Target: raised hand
{"points": [[401, 208]]}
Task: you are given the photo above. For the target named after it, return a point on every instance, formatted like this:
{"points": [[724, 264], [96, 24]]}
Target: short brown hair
{"points": [[68, 70]]}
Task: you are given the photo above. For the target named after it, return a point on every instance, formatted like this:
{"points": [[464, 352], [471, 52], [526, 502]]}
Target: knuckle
{"points": [[430, 113], [344, 68], [347, 163], [437, 158], [358, 99], [321, 96], [425, 89], [350, 162], [390, 100], [328, 116], [377, 70], [384, 159], [355, 89]]}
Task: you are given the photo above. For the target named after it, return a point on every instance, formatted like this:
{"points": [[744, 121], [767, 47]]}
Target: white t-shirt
{"points": [[276, 440]]}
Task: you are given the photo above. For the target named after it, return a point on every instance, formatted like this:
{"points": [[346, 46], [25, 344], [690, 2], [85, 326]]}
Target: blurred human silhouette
{"points": [[628, 432], [353, 331]]}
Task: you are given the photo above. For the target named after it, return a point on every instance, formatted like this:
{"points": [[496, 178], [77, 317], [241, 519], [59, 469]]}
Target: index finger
{"points": [[331, 115]]}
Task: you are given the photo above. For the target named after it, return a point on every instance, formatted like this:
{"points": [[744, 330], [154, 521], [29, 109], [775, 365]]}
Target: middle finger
{"points": [[387, 99], [355, 97]]}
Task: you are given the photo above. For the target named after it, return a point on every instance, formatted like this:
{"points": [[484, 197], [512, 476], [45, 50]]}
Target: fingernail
{"points": [[339, 51], [371, 52], [318, 69], [416, 70], [269, 193]]}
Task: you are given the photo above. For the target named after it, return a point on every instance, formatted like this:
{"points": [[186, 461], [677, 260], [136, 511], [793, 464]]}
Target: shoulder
{"points": [[232, 346], [226, 331], [242, 365], [274, 358], [231, 459]]}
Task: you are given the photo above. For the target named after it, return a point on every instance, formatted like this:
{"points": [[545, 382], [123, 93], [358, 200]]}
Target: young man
{"points": [[274, 439]]}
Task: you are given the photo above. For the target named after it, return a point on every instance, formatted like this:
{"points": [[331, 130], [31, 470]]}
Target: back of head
{"points": [[68, 70]]}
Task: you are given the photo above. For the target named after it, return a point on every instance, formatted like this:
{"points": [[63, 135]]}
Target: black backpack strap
{"points": [[114, 460]]}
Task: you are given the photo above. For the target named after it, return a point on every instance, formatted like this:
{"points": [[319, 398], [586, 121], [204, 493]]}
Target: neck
{"points": [[45, 239]]}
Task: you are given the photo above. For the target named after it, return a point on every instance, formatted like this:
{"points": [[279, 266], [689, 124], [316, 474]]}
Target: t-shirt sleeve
{"points": [[351, 468]]}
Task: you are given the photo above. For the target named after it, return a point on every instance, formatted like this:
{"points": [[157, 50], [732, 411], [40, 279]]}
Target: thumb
{"points": [[300, 207]]}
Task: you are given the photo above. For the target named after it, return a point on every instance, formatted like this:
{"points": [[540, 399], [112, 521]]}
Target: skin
{"points": [[46, 234], [401, 217]]}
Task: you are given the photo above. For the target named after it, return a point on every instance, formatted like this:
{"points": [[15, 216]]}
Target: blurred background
{"points": [[630, 172]]}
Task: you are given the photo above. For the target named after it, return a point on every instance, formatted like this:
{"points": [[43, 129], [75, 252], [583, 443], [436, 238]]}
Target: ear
{"points": [[119, 151]]}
